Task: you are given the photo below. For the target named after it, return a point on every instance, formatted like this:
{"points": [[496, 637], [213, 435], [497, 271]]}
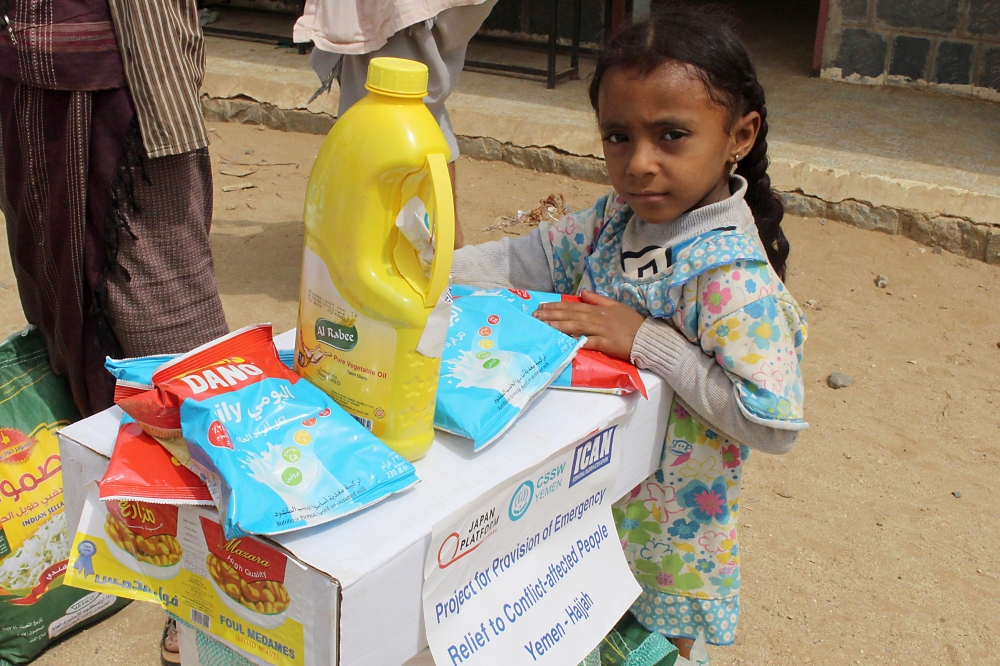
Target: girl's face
{"points": [[667, 145]]}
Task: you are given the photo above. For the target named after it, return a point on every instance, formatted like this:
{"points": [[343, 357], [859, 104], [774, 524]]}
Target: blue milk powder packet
{"points": [[139, 371], [590, 370], [277, 453], [136, 371], [496, 360]]}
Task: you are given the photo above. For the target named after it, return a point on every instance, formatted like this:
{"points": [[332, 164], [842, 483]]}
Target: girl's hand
{"points": [[610, 326]]}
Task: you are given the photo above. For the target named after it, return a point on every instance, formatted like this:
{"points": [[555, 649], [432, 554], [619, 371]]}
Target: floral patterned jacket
{"points": [[679, 526]]}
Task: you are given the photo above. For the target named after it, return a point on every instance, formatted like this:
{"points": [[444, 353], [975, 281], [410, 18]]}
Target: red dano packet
{"points": [[595, 371], [142, 469], [216, 365], [277, 452]]}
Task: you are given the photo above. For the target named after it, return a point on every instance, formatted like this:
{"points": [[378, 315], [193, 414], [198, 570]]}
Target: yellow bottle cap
{"points": [[397, 77]]}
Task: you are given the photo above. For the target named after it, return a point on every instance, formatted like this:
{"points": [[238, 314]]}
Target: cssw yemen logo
{"points": [[521, 500], [342, 336]]}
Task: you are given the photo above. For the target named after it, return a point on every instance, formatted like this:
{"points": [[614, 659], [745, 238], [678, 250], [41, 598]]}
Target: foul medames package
{"points": [[245, 591], [591, 370], [496, 360], [276, 452]]}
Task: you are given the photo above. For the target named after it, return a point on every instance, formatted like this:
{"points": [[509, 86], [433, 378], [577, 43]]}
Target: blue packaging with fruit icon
{"points": [[276, 452], [496, 360]]}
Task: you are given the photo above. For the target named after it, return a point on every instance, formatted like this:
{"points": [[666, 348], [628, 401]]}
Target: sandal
{"points": [[170, 656]]}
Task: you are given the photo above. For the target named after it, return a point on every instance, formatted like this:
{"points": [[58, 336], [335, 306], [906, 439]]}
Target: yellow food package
{"points": [[126, 548], [246, 592]]}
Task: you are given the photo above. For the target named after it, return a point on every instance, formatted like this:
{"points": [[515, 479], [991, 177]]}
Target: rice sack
{"points": [[276, 452], [591, 370], [36, 606], [496, 360]]}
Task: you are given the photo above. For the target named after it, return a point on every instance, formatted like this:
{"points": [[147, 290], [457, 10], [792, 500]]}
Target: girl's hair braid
{"points": [[704, 39], [767, 207]]}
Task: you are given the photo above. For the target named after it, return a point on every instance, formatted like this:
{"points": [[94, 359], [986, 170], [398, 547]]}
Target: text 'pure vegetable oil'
{"points": [[379, 237]]}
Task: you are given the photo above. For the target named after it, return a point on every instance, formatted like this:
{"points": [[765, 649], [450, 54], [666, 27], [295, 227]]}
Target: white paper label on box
{"points": [[533, 572]]}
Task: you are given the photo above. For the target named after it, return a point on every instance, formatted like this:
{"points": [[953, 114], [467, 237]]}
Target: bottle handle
{"points": [[444, 227]]}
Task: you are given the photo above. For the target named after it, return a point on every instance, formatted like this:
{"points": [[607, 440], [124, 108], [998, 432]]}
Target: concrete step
{"points": [[899, 162]]}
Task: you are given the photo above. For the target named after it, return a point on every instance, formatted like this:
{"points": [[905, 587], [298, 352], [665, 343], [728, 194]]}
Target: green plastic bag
{"points": [[630, 644], [36, 608]]}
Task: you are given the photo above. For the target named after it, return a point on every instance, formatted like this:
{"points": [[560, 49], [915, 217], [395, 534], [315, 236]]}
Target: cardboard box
{"points": [[247, 592], [376, 557]]}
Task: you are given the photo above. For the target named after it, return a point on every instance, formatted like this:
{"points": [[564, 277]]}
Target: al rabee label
{"points": [[342, 336], [346, 354]]}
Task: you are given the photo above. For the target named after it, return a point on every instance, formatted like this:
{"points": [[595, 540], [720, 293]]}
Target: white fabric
{"points": [[362, 26], [439, 41]]}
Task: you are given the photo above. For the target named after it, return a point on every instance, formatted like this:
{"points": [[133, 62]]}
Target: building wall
{"points": [[534, 17], [950, 45]]}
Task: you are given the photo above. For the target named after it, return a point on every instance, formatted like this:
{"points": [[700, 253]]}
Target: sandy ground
{"points": [[856, 548]]}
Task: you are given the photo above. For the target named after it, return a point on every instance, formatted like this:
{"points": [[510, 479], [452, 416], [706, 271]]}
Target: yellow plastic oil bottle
{"points": [[365, 296]]}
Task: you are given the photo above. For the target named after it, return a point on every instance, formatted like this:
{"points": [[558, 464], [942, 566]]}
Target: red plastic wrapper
{"points": [[141, 469], [157, 409], [591, 370], [595, 371]]}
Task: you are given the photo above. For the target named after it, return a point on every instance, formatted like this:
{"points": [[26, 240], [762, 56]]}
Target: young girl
{"points": [[680, 270]]}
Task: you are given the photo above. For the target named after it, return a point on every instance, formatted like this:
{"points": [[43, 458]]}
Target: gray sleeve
{"points": [[703, 386], [520, 262]]}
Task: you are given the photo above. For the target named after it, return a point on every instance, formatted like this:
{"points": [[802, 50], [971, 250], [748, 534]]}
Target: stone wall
{"points": [[950, 45]]}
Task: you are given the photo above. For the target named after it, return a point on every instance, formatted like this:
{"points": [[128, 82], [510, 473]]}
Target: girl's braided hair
{"points": [[704, 39]]}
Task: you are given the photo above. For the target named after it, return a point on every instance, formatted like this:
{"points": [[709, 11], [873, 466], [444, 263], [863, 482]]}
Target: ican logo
{"points": [[592, 455]]}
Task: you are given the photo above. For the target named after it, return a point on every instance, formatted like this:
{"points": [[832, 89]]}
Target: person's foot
{"points": [[170, 651], [683, 646]]}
